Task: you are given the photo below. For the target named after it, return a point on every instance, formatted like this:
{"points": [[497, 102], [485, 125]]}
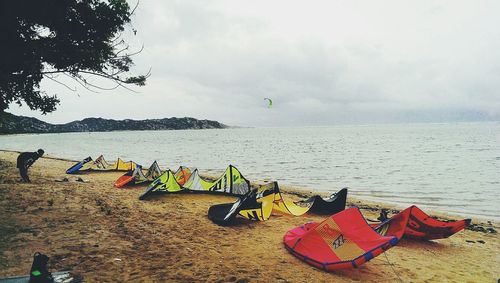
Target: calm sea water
{"points": [[446, 167]]}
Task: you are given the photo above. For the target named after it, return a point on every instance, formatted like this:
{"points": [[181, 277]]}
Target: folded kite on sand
{"points": [[166, 183], [260, 204], [414, 223], [343, 240], [100, 164], [246, 206], [182, 175], [73, 169], [270, 195], [346, 240], [224, 214], [231, 182], [137, 176], [327, 206]]}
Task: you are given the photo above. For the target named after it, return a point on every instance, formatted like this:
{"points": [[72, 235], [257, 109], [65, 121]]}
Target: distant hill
{"points": [[12, 124]]}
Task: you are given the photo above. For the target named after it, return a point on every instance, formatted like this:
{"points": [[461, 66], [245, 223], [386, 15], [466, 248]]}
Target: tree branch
{"points": [[61, 83], [84, 80], [133, 10], [82, 84], [128, 55]]}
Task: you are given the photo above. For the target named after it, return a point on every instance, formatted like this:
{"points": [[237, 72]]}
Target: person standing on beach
{"points": [[25, 160]]}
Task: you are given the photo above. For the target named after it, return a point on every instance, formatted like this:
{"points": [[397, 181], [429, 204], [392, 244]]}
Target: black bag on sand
{"points": [[39, 272]]}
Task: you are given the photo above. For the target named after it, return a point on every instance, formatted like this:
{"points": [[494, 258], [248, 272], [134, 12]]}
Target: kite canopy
{"points": [[137, 176], [271, 195], [414, 223], [269, 200], [343, 240], [225, 214], [273, 201], [100, 164], [182, 175], [197, 183], [73, 169], [165, 183], [258, 206], [327, 206], [253, 206], [229, 183], [127, 178], [269, 101]]}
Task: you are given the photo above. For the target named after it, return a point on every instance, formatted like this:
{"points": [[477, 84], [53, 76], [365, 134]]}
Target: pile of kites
{"points": [[343, 240]]}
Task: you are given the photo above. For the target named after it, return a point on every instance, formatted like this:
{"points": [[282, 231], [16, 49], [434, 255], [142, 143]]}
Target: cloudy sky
{"points": [[321, 62]]}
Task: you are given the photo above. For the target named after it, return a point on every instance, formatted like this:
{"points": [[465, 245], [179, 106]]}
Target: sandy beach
{"points": [[106, 234]]}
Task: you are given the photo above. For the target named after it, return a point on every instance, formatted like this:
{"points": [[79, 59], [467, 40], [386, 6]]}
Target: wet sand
{"points": [[107, 235]]}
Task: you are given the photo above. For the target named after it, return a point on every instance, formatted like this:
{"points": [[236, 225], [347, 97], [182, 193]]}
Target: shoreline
{"points": [[106, 235], [377, 205], [394, 205], [353, 200], [477, 203]]}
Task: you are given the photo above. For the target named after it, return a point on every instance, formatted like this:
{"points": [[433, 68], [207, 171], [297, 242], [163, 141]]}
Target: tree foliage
{"points": [[53, 39]]}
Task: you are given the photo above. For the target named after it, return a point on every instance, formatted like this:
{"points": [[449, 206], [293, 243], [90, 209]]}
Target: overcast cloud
{"points": [[321, 62]]}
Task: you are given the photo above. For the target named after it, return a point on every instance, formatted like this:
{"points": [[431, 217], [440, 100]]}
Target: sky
{"points": [[321, 62]]}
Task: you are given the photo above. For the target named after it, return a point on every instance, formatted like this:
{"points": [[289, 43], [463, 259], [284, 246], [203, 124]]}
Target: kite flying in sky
{"points": [[270, 102]]}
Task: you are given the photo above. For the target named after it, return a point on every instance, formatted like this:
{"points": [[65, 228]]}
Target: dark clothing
{"points": [[39, 272], [24, 161], [24, 175]]}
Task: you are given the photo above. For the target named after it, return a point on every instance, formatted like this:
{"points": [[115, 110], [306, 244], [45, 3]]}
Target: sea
{"points": [[448, 167]]}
